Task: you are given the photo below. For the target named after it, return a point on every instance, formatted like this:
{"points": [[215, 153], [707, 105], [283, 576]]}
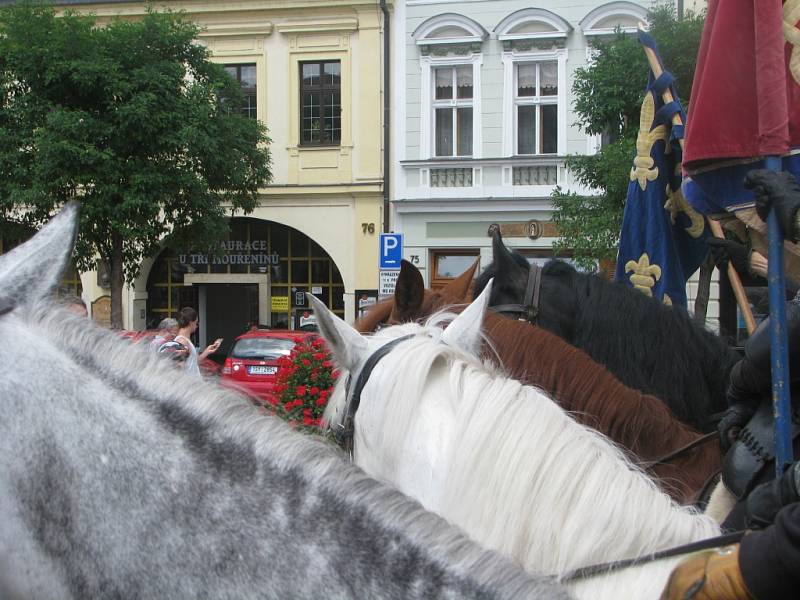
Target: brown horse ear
{"points": [[459, 290], [409, 291]]}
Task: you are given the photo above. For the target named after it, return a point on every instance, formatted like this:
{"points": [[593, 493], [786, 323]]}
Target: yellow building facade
{"points": [[312, 71]]}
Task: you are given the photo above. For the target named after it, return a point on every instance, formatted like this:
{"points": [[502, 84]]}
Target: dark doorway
{"points": [[230, 309]]}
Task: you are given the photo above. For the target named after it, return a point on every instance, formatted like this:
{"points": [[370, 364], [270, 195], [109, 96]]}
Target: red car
{"points": [[252, 364]]}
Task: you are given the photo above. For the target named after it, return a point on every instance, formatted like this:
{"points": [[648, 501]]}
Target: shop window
{"points": [[70, 284], [246, 75], [449, 264], [320, 103]]}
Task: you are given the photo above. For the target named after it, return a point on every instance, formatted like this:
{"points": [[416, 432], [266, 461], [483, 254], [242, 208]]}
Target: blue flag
{"points": [[662, 241]]}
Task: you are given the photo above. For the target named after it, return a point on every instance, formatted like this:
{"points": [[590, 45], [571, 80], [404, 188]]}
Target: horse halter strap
{"points": [[344, 433], [529, 309]]}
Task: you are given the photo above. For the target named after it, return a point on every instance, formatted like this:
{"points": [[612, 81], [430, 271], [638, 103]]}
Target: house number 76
{"points": [[368, 227]]}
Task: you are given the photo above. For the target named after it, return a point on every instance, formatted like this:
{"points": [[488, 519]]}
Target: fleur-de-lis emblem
{"points": [[676, 202], [643, 169], [791, 14], [644, 275]]}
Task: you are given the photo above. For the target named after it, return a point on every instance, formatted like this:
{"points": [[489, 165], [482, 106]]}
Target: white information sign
{"points": [[387, 281]]}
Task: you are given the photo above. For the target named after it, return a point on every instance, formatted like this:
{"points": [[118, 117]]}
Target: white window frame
{"points": [[510, 102], [453, 103], [428, 105]]}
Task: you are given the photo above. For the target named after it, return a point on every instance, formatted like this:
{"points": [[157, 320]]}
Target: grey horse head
{"points": [[121, 476]]}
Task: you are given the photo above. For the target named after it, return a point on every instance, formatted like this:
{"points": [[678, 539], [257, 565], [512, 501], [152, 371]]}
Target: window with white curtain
{"points": [[536, 107], [452, 110]]}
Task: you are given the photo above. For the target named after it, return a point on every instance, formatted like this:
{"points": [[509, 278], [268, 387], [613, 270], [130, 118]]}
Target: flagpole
{"points": [[779, 354], [716, 228]]}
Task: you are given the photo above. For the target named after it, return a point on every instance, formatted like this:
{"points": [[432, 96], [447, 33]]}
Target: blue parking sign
{"points": [[390, 251]]}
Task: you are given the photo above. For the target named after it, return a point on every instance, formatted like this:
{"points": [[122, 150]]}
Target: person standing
{"points": [[187, 325], [167, 330]]}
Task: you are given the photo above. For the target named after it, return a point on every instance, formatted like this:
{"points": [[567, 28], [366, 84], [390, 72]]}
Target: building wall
{"points": [[434, 217], [325, 192]]}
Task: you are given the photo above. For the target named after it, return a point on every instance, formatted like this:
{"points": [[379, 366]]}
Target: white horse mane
{"points": [[521, 476]]}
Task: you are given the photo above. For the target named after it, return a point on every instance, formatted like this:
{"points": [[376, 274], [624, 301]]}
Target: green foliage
{"points": [[127, 117], [608, 97]]}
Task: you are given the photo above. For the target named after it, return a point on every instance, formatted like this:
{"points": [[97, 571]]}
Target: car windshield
{"points": [[262, 348]]}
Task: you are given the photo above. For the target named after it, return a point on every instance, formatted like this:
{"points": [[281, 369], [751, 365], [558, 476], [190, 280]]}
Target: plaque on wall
{"points": [[101, 311]]}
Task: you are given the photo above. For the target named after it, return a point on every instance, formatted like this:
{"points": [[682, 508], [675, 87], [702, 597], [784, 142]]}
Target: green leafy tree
{"points": [[133, 119], [608, 97]]}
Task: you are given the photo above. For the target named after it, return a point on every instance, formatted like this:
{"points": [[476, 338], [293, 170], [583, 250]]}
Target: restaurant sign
{"points": [[234, 252]]}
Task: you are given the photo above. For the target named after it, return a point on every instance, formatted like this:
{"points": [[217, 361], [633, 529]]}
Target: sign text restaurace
{"points": [[236, 252]]}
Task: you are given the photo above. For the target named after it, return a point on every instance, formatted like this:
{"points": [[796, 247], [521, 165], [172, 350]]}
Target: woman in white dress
{"points": [[187, 324]]}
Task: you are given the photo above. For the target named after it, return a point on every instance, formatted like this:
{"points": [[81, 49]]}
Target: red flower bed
{"points": [[305, 382]]}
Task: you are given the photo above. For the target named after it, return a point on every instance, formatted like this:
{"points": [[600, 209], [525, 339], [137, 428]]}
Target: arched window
{"points": [[606, 19], [451, 51], [535, 81]]}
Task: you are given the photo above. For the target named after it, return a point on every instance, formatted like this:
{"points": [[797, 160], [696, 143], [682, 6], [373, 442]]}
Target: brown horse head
{"points": [[412, 301]]}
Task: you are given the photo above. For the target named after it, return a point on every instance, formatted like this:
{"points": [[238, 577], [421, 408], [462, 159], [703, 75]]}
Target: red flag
{"points": [[746, 93]]}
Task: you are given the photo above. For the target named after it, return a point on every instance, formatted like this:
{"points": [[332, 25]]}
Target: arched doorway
{"points": [[259, 276]]}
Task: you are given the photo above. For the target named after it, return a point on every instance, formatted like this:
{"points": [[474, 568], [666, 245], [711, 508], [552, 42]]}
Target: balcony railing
{"points": [[535, 175], [451, 177]]}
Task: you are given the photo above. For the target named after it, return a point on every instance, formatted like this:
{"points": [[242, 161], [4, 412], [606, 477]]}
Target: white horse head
{"points": [[502, 460], [122, 476]]}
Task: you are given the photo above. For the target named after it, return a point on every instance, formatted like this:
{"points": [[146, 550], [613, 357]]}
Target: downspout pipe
{"points": [[386, 115]]}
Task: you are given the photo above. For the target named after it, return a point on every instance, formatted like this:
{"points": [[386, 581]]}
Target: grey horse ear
{"points": [[465, 330], [345, 343], [32, 270]]}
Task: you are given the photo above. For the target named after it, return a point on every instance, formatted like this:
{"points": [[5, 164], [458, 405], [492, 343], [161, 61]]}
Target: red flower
{"points": [[288, 405], [308, 421], [314, 391], [300, 391], [327, 364], [306, 362], [322, 401], [306, 412]]}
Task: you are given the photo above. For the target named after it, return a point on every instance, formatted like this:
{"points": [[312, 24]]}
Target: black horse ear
{"points": [[502, 256], [409, 291]]}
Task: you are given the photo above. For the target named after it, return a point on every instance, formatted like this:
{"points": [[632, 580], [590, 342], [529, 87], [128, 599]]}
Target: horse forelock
{"points": [[519, 457], [206, 419]]}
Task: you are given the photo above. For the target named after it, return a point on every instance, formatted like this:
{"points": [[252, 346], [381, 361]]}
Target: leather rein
{"points": [[345, 431], [529, 309]]}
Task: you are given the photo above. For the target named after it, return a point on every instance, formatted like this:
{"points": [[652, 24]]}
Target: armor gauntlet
{"points": [[767, 499], [778, 190]]}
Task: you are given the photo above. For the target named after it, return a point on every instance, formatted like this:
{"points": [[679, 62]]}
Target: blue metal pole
{"points": [[781, 406]]}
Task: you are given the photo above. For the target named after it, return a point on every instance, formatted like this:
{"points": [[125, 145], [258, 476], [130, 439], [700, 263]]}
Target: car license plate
{"points": [[261, 370]]}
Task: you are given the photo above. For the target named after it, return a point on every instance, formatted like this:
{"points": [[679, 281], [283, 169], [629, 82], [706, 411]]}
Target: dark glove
{"points": [[723, 250], [735, 418], [778, 190], [767, 499], [709, 575]]}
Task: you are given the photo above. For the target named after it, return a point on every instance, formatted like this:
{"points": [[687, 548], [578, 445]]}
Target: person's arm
{"points": [[777, 190], [770, 559], [210, 349]]}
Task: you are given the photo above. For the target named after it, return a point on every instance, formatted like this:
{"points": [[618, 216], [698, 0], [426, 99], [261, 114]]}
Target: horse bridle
{"points": [[529, 309], [346, 429]]}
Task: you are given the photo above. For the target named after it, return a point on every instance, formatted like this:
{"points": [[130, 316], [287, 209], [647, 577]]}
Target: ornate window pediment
{"points": [[450, 33], [605, 19], [532, 28]]}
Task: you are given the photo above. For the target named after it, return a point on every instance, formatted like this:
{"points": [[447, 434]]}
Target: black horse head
{"points": [[648, 346], [556, 310]]}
